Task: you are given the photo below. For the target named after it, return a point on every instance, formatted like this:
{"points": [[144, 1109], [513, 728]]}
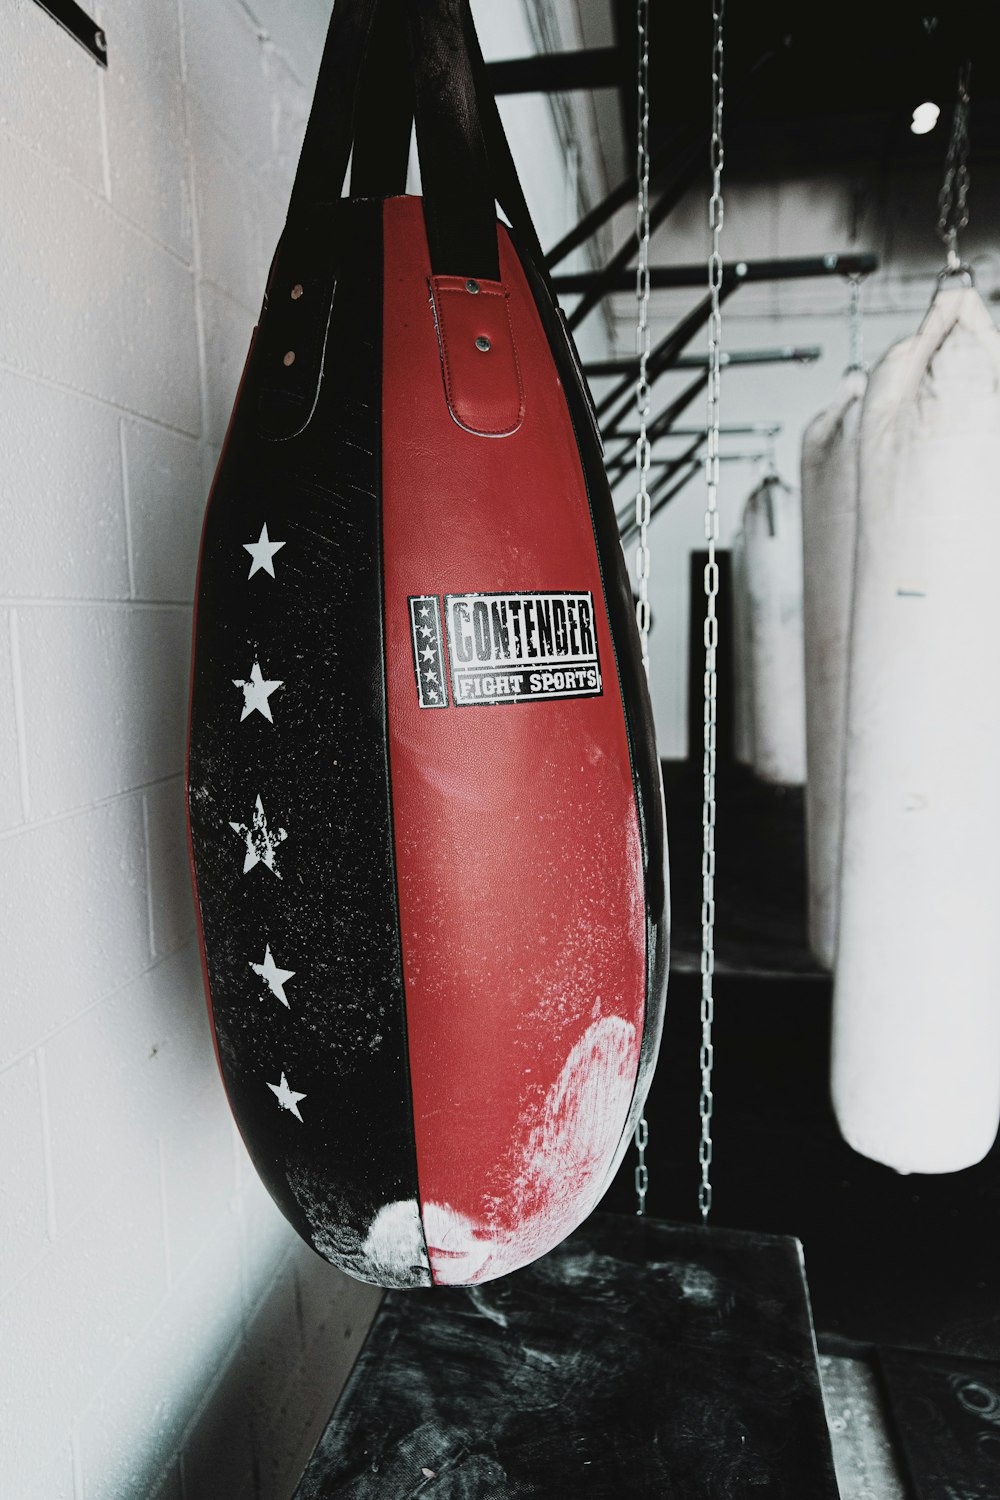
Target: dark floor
{"points": [[637, 1361], [909, 1262]]}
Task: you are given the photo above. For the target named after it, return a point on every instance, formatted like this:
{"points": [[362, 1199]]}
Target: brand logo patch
{"points": [[505, 648]]}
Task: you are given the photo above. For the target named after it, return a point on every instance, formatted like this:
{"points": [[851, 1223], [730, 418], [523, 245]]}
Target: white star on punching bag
{"points": [[260, 841], [287, 1097], [262, 551], [256, 693], [275, 978]]}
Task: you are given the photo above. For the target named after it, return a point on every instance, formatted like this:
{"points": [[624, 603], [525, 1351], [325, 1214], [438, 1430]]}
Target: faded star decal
{"points": [[287, 1098], [262, 551], [260, 841], [275, 978], [256, 692]]}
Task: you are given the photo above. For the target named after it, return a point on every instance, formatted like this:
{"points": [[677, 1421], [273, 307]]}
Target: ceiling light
{"points": [[925, 117]]}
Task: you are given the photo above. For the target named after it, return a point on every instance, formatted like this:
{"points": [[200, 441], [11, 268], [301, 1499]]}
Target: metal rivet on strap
{"points": [[472, 286], [483, 343], [289, 358], [296, 291]]}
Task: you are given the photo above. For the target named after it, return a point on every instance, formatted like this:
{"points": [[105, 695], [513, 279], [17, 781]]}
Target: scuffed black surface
{"points": [[321, 771], [638, 1359], [946, 1415]]}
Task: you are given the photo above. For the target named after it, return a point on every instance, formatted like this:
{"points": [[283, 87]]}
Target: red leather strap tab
{"points": [[482, 378]]}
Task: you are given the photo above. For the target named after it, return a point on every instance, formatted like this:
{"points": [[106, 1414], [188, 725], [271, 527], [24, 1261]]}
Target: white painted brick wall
{"points": [[162, 1331]]}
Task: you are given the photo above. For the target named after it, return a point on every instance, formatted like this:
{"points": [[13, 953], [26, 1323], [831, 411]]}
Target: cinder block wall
{"points": [[162, 1331]]}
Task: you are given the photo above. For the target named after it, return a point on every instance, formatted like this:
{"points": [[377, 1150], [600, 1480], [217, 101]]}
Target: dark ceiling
{"points": [[807, 90]]}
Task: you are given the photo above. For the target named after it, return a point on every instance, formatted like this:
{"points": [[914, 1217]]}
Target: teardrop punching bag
{"points": [[425, 807], [772, 550], [829, 522], [916, 1037]]}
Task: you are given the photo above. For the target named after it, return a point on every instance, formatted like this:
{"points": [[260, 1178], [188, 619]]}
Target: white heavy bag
{"points": [[916, 1036], [742, 669], [772, 542], [829, 518]]}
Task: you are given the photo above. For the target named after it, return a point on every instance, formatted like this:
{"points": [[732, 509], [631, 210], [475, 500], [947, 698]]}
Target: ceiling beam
{"points": [[662, 357], [688, 167], [629, 368], [683, 155], [559, 72], [795, 268], [627, 523], [728, 429], [661, 424]]}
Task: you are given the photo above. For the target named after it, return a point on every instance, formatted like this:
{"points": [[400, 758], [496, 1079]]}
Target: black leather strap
{"points": [[465, 160], [459, 209], [330, 131], [503, 172], [383, 117]]}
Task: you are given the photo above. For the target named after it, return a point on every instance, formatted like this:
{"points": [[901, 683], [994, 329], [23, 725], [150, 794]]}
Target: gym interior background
{"points": [[164, 1333]]}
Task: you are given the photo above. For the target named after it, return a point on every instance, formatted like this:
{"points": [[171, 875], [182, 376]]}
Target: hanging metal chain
{"points": [[641, 1170], [642, 445], [715, 218], [953, 198]]}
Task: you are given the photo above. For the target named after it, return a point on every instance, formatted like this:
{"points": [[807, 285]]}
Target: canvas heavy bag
{"points": [[772, 569], [829, 524], [425, 806], [916, 1027], [742, 665]]}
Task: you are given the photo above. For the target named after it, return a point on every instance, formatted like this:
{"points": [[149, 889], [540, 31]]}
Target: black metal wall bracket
{"points": [[72, 18], [555, 72], [796, 268]]}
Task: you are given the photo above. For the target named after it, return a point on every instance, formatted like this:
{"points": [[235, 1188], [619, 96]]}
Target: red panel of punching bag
{"points": [[425, 806]]}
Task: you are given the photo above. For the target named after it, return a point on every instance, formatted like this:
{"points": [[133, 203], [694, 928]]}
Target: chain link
{"points": [[953, 207], [715, 219], [641, 1170], [642, 444]]}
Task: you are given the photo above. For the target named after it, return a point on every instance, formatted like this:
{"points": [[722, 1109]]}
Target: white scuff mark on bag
{"points": [[457, 1247], [390, 1252], [570, 1146], [395, 1240]]}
